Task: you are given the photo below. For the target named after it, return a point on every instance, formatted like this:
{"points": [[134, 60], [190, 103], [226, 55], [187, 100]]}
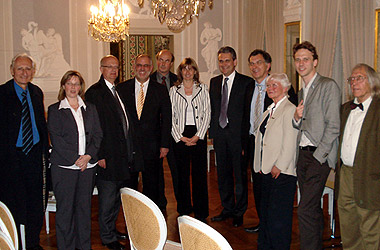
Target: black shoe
{"points": [[121, 236], [220, 217], [238, 221], [201, 219], [115, 245], [254, 229], [38, 247]]}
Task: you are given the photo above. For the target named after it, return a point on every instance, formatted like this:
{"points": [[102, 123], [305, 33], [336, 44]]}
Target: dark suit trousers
{"points": [[109, 205], [23, 194], [233, 192], [312, 178], [256, 177], [197, 155], [276, 212], [73, 191]]}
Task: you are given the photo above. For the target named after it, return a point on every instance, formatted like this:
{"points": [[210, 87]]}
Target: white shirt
{"points": [[64, 104], [137, 89], [229, 83], [352, 132], [304, 140], [189, 111]]}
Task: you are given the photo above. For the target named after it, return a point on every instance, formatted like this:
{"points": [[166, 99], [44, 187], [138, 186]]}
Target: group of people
{"points": [[112, 132]]}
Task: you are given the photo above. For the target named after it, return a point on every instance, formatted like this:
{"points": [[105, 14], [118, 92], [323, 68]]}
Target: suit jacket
{"points": [[200, 104], [119, 152], [153, 128], [64, 135], [10, 113], [321, 119], [267, 101], [236, 104], [366, 169], [173, 78], [279, 144]]}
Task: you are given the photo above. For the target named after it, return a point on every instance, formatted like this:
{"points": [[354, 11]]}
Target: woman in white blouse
{"points": [[190, 120], [275, 156], [75, 134]]}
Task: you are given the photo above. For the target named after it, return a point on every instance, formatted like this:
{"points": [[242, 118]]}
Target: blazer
{"points": [[10, 113], [173, 77], [321, 119], [64, 135], [200, 103], [279, 144], [154, 126], [267, 101], [366, 169], [119, 152], [236, 104]]}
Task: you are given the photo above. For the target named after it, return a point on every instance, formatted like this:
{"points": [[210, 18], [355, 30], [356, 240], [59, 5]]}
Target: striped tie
{"points": [[140, 101], [258, 110], [27, 132]]}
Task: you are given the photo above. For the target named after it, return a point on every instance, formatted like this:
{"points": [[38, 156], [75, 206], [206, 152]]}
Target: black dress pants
{"points": [[197, 155]]}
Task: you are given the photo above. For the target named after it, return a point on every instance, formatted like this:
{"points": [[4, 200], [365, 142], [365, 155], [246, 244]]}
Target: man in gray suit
{"points": [[317, 119]]}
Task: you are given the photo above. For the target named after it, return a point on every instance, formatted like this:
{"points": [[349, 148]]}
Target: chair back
{"points": [[8, 221], [196, 235], [6, 242], [146, 225]]}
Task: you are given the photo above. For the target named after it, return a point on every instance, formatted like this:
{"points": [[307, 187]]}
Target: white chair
{"points": [[196, 235], [9, 223], [6, 242], [52, 207], [146, 224]]}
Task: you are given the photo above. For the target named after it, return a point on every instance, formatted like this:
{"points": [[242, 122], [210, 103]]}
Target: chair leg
{"points": [[47, 222], [22, 232]]}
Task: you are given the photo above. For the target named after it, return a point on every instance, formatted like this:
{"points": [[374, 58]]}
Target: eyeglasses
{"points": [[358, 79], [143, 65], [110, 67], [73, 84], [258, 63]]}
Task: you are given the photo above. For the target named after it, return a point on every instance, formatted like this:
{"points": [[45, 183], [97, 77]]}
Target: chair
{"points": [[146, 224], [6, 242], [196, 235], [9, 223]]}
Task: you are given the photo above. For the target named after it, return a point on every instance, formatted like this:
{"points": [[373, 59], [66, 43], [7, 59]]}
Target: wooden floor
{"points": [[237, 237]]}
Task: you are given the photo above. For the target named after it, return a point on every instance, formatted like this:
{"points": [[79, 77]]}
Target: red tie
{"points": [[163, 81]]}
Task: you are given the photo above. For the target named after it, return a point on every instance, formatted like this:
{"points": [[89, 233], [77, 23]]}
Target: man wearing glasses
{"points": [[358, 174], [317, 119], [117, 163]]}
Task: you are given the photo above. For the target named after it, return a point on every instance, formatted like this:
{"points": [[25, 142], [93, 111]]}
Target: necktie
{"points": [[140, 101], [163, 81], [120, 112], [258, 110], [355, 105], [26, 121], [224, 105]]}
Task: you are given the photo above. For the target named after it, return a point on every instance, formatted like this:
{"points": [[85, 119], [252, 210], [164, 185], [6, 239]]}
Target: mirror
{"points": [[377, 41], [292, 36]]}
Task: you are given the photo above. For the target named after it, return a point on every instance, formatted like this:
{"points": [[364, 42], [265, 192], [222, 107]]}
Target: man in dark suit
{"points": [[317, 119], [23, 144], [259, 62], [357, 180], [163, 75], [118, 165], [227, 96], [149, 106]]}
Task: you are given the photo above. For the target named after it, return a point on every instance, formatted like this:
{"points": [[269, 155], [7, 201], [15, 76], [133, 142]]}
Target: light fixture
{"points": [[109, 22], [177, 13]]}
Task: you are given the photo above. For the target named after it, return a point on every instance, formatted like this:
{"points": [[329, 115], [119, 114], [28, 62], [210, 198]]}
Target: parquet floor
{"points": [[237, 237]]}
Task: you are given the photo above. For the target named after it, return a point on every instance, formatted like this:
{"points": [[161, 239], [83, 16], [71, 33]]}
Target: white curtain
{"points": [[358, 34], [274, 33]]}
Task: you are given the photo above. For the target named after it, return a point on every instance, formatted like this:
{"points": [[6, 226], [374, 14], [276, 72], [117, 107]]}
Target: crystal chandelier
{"points": [[109, 22], [177, 13]]}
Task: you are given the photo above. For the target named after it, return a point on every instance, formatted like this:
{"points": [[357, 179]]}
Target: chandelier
{"points": [[109, 22], [177, 13]]}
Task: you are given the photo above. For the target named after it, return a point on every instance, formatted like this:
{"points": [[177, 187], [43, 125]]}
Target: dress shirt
{"points": [[64, 104], [253, 102], [352, 132], [110, 85], [189, 111], [304, 140], [167, 79], [36, 136], [137, 90], [229, 83]]}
